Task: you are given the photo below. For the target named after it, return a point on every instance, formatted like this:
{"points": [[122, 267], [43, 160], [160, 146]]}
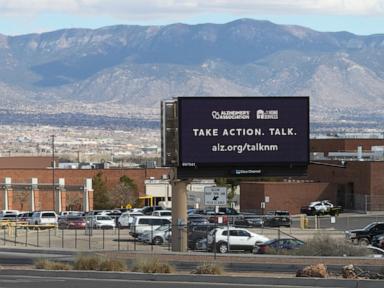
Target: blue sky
{"points": [[35, 16]]}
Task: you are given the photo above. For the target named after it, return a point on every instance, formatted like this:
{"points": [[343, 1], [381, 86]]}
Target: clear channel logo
{"points": [[267, 114]]}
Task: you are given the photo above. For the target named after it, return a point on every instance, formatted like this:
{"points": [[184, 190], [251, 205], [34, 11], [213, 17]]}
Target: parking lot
{"points": [[119, 239]]}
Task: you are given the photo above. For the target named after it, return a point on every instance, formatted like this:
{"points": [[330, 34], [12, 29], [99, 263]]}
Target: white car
{"points": [[125, 219], [43, 218], [101, 222], [66, 213], [165, 213], [6, 212], [238, 239]]}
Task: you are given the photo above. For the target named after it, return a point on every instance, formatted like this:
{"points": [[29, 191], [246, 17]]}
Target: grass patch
{"points": [[151, 265], [51, 265], [208, 268]]}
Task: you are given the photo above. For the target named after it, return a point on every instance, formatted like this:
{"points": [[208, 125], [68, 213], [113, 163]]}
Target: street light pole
{"points": [[53, 164]]}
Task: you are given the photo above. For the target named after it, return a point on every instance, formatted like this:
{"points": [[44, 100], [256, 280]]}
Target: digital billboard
{"points": [[242, 133]]}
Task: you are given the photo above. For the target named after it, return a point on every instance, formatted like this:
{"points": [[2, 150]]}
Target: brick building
{"points": [[31, 188], [356, 185]]}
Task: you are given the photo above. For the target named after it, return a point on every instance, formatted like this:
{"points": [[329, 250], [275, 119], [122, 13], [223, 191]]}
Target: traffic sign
{"points": [[215, 196]]}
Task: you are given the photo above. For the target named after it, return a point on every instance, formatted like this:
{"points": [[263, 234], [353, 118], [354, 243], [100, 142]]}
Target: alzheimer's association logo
{"points": [[267, 114]]}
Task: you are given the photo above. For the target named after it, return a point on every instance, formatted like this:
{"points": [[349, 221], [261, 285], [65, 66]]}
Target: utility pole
{"points": [[53, 164]]}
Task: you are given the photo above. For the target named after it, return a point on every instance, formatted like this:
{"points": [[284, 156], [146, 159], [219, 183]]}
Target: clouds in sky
{"points": [[178, 9]]}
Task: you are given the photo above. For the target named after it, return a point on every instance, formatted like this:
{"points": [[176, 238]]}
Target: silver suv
{"points": [[43, 218]]}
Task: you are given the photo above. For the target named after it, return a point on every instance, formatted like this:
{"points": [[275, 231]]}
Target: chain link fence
{"points": [[158, 240], [361, 203]]}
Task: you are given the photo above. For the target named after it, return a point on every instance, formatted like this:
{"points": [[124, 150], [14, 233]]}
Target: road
{"points": [[17, 281]]}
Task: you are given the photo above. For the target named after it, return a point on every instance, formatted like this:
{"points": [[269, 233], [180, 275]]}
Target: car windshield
{"points": [[74, 218], [369, 226], [48, 215], [104, 218]]}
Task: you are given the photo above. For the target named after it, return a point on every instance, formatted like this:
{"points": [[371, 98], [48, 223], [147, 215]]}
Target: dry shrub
{"points": [[151, 265], [208, 268], [324, 245], [113, 265], [98, 263], [87, 262], [51, 265]]}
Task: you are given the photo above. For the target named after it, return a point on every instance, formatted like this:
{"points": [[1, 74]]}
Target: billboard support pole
{"points": [[179, 214]]}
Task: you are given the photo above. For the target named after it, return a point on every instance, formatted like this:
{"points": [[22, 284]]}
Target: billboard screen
{"points": [[243, 131]]}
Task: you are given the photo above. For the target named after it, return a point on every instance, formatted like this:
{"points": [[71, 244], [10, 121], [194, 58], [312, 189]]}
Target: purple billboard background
{"points": [[201, 147]]}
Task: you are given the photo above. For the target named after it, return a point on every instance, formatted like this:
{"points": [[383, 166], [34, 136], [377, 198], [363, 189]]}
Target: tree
{"points": [[21, 197], [100, 192], [73, 201], [125, 193]]}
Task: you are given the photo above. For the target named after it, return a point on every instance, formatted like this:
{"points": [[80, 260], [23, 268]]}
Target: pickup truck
{"points": [[323, 207], [364, 236]]}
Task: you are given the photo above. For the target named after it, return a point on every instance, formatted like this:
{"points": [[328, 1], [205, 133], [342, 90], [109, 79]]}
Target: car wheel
{"points": [[222, 248], [157, 241], [364, 241]]}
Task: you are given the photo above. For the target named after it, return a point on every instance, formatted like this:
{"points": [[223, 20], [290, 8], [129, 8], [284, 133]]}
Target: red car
{"points": [[72, 222]]}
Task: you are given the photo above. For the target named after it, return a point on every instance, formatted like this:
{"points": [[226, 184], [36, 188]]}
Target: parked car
{"points": [[100, 222], [126, 218], [198, 231], [378, 241], [277, 218], [98, 212], [237, 238], [253, 220], [144, 223], [165, 213], [364, 236], [197, 219], [321, 208], [202, 244], [5, 212], [71, 222], [156, 237], [228, 211], [279, 244], [148, 210], [66, 213], [11, 217], [25, 217], [44, 218], [375, 252]]}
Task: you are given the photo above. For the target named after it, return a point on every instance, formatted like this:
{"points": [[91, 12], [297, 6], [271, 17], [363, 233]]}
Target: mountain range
{"points": [[132, 68]]}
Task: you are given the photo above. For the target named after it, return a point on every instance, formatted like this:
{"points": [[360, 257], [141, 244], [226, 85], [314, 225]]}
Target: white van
{"points": [[141, 224]]}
